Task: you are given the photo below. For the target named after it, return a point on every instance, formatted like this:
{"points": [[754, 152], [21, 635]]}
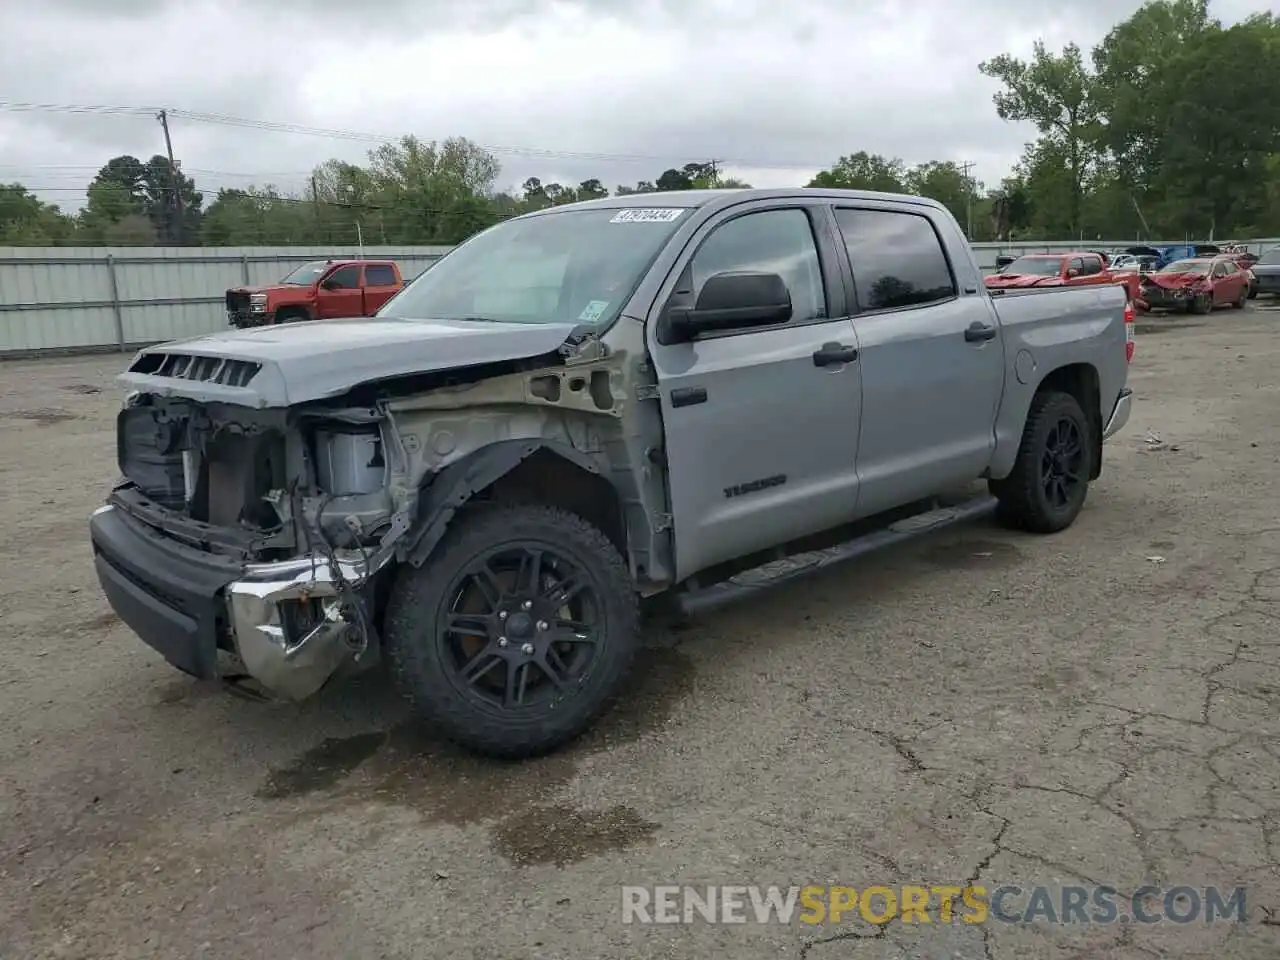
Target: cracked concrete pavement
{"points": [[1097, 707]]}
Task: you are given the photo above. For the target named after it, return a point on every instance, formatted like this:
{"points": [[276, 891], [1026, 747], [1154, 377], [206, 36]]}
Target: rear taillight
{"points": [[1130, 317]]}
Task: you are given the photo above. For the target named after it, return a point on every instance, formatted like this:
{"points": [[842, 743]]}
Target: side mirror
{"points": [[731, 300]]}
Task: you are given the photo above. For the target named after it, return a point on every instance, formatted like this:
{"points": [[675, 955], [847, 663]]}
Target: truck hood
{"points": [[1022, 280], [286, 289], [1174, 281], [279, 366]]}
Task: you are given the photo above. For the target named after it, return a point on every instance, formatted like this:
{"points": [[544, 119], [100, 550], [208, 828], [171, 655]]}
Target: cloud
{"points": [[774, 91]]}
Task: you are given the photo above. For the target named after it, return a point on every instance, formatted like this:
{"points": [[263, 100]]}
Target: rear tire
{"points": [[1047, 487], [505, 654]]}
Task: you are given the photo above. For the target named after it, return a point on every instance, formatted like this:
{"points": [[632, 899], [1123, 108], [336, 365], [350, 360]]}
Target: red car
{"points": [[321, 290], [1195, 286], [1076, 268]]}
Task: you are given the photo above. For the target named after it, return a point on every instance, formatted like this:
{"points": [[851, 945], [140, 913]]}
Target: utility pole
{"points": [[174, 184], [315, 203], [968, 199]]}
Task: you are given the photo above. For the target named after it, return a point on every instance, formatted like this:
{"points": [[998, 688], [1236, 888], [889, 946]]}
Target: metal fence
{"points": [[72, 300]]}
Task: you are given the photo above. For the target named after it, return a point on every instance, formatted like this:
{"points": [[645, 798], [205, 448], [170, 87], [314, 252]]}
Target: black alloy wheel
{"points": [[520, 628], [1063, 465]]}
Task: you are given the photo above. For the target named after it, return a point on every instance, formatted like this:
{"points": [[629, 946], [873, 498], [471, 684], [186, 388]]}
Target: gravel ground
{"points": [[1098, 707]]}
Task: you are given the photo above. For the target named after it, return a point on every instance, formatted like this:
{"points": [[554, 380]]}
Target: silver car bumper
{"points": [[1120, 415], [295, 667], [187, 604]]}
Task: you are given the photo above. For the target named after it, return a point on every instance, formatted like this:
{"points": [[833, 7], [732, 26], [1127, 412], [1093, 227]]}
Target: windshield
{"points": [[306, 274], [1035, 266], [1186, 266], [1271, 257], [574, 266]]}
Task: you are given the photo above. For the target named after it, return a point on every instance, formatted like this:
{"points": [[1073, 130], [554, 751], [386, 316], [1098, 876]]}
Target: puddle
{"points": [[448, 785], [412, 767], [970, 554], [561, 835], [45, 416], [321, 767], [87, 389], [1161, 545]]}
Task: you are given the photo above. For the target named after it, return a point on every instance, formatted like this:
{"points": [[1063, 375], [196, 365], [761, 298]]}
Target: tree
{"points": [[25, 220], [1057, 93], [126, 188], [864, 171], [674, 180], [432, 192], [1131, 69], [114, 193], [167, 191], [945, 182]]}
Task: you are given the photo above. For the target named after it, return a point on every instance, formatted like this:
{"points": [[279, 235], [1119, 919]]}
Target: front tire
{"points": [[1202, 304], [516, 633], [1240, 301], [1046, 490]]}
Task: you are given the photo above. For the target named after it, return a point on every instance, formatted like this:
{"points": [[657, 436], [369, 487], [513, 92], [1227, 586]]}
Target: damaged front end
{"points": [[262, 502], [246, 542]]}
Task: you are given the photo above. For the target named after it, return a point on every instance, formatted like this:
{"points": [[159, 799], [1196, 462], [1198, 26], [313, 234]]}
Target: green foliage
{"points": [[1170, 127], [1172, 130], [25, 221]]}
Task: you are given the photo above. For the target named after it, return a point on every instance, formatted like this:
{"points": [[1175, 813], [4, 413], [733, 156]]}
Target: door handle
{"points": [[979, 332], [688, 396], [831, 354]]}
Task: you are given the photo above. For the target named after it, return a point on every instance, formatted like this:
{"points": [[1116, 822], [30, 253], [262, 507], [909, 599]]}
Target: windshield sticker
{"points": [[593, 311], [648, 215]]}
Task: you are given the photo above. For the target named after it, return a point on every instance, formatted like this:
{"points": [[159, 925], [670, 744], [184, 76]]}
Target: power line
{"points": [[272, 126]]}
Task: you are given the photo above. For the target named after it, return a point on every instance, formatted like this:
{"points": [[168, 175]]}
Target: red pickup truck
{"points": [[317, 291], [1071, 269]]}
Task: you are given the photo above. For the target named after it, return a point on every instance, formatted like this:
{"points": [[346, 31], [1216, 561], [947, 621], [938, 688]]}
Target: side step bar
{"points": [[909, 528]]}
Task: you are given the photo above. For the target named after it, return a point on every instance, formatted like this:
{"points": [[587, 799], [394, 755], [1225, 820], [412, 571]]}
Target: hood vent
{"points": [[183, 366]]}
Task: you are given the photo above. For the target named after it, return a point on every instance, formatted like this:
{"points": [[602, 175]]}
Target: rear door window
{"points": [[897, 259], [379, 275]]}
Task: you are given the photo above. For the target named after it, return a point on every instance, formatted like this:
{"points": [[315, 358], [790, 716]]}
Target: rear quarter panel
{"points": [[1046, 330]]}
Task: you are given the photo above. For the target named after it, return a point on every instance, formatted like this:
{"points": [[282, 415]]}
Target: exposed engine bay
{"points": [[254, 485]]}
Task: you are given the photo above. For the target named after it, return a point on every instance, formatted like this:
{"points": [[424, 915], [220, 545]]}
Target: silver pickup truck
{"points": [[573, 411]]}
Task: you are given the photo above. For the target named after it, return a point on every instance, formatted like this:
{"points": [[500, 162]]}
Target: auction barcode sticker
{"points": [[648, 215]]}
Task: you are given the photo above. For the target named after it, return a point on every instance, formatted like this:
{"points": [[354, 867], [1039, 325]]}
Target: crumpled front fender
{"points": [[457, 483]]}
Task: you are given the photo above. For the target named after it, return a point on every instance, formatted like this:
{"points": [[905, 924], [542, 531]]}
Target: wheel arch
{"points": [[534, 470], [1081, 381], [292, 309]]}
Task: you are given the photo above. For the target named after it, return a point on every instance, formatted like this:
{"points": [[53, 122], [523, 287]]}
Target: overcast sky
{"points": [[777, 90]]}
